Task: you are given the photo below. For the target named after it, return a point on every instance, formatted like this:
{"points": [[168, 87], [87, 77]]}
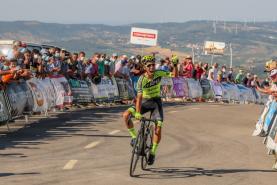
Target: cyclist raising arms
{"points": [[148, 100]]}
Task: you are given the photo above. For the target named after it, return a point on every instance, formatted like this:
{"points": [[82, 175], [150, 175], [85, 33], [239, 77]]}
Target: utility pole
{"points": [[214, 25], [192, 50], [231, 56]]}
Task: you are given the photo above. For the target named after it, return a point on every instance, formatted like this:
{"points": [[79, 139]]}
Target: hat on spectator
{"points": [[17, 43], [188, 57], [132, 57], [114, 55], [273, 72]]}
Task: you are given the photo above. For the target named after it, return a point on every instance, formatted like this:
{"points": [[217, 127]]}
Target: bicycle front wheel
{"points": [[136, 152], [147, 145]]}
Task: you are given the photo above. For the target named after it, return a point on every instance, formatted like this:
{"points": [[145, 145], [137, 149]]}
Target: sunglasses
{"points": [[149, 65]]}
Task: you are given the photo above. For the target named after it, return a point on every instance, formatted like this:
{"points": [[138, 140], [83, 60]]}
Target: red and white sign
{"points": [[144, 36]]}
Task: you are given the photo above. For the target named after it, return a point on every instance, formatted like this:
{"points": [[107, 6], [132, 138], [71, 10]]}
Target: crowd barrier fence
{"points": [[42, 95]]}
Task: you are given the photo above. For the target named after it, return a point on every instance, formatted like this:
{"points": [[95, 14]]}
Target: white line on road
{"points": [[114, 132], [93, 144], [70, 165], [173, 111], [195, 108]]}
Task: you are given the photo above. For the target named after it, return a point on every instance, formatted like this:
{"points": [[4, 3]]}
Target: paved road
{"points": [[202, 144]]}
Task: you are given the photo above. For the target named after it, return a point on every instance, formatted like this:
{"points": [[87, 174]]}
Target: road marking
{"points": [[70, 165], [195, 108], [114, 132], [173, 111], [93, 144]]}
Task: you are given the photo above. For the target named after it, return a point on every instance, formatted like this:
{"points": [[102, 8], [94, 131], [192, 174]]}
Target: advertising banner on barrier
{"points": [[257, 96], [38, 94], [4, 111], [30, 100], [125, 89], [68, 98], [230, 91], [246, 94], [206, 89], [17, 98], [179, 87], [166, 87], [106, 90], [195, 90], [80, 91], [59, 91], [49, 92], [216, 87]]}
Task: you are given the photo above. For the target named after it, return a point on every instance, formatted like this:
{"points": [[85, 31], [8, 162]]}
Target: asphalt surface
{"points": [[202, 144]]}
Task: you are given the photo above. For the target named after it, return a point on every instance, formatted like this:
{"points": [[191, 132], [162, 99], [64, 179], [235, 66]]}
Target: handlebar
{"points": [[147, 119]]}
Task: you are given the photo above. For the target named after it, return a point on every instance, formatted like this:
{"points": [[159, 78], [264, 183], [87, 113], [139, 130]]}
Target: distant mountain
{"points": [[252, 43]]}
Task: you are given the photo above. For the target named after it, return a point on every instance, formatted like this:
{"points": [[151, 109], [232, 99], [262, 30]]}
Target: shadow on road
{"points": [[186, 172], [12, 174], [62, 125]]}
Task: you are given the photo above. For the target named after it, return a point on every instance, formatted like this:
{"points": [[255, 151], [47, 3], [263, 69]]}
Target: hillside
{"points": [[252, 43]]}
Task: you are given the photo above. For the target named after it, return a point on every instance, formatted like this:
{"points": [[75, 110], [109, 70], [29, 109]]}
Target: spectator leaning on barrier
{"points": [[72, 65], [240, 76], [15, 48], [230, 76], [246, 80], [164, 65], [205, 68], [265, 83], [113, 61], [224, 73], [187, 70], [64, 64], [100, 62], [213, 72], [53, 66], [119, 68], [255, 82], [197, 72], [5, 71]]}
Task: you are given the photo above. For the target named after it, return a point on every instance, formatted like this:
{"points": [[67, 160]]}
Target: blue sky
{"points": [[131, 11]]}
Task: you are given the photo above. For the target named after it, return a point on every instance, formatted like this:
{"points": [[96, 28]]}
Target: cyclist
{"points": [[148, 100]]}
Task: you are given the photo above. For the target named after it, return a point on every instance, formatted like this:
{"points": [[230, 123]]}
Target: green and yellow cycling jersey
{"points": [[151, 88]]}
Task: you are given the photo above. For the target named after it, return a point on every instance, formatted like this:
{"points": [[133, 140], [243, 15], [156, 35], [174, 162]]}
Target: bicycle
{"points": [[143, 145]]}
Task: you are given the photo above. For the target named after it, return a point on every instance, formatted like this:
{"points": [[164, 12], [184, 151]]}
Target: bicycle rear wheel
{"points": [[147, 145], [136, 153]]}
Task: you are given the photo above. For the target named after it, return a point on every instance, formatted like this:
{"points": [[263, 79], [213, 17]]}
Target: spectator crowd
{"points": [[21, 63]]}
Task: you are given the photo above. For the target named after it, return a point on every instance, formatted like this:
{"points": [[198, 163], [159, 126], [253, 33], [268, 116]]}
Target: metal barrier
{"points": [[43, 95]]}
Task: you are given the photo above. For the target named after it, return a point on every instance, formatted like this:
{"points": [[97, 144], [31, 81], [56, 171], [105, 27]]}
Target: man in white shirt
{"points": [[213, 72]]}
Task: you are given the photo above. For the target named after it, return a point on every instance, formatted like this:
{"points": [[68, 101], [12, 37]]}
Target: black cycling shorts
{"points": [[152, 105]]}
